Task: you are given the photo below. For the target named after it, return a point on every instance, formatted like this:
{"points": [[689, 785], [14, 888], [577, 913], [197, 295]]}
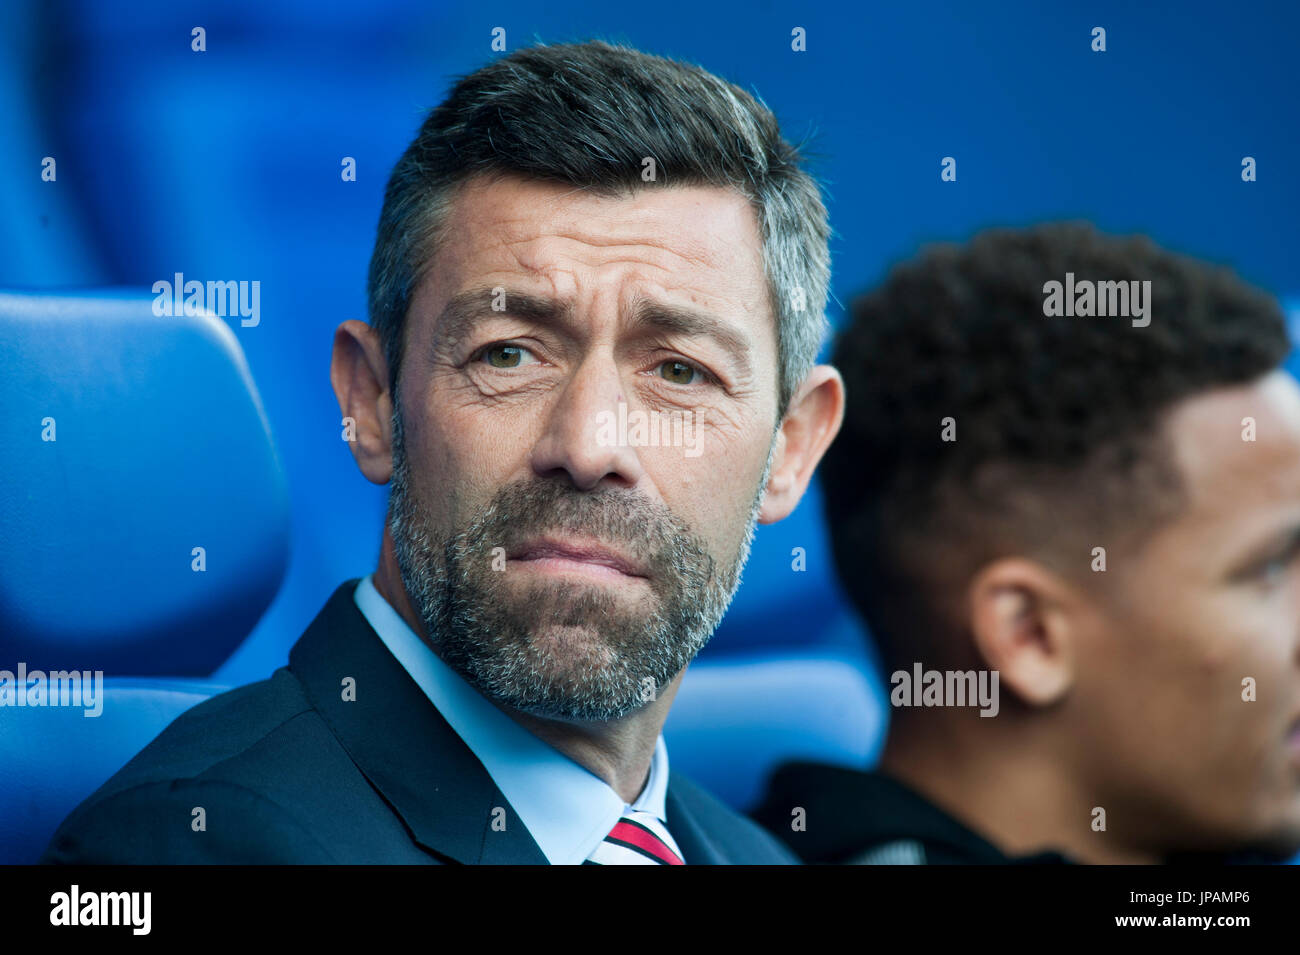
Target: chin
{"points": [[574, 647], [1284, 839], [1275, 832]]}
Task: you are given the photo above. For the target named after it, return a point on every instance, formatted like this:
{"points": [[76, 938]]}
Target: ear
{"points": [[359, 374], [1026, 626], [816, 412]]}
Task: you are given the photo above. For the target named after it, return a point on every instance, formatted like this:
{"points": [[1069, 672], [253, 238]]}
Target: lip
{"points": [[582, 556]]}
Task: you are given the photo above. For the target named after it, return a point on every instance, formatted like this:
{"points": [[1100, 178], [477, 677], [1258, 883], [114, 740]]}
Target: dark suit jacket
{"points": [[287, 771]]}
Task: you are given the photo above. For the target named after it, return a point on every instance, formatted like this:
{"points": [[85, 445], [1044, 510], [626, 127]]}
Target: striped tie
{"points": [[639, 838]]}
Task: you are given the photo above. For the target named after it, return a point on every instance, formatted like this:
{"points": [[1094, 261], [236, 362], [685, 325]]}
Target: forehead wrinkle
{"points": [[516, 228], [696, 254]]}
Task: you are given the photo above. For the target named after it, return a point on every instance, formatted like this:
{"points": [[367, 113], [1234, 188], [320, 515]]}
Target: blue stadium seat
{"points": [[737, 718], [161, 448], [54, 757]]}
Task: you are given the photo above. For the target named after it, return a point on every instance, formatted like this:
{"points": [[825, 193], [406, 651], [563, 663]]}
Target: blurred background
{"points": [[225, 164]]}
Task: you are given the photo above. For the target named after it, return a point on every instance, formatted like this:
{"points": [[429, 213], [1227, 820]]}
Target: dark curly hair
{"points": [[1058, 442]]}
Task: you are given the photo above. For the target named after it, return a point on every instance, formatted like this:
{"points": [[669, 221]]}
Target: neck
{"points": [[616, 751], [1009, 787]]}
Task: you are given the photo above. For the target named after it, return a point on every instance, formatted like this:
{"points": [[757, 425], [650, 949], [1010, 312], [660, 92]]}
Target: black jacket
{"points": [[867, 818], [852, 817], [286, 771]]}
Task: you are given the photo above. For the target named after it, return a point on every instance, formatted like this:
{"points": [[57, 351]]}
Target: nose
{"points": [[582, 437]]}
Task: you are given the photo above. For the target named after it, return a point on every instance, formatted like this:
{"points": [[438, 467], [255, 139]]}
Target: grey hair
{"points": [[586, 115]]}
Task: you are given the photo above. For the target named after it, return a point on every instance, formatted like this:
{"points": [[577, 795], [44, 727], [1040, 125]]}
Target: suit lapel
{"points": [[697, 848], [400, 741]]}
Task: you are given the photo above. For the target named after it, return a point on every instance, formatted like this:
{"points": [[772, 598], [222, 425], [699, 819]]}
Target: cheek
{"points": [[1232, 691], [1216, 644], [712, 492], [465, 457], [1169, 673], [724, 429], [1257, 702], [1255, 639]]}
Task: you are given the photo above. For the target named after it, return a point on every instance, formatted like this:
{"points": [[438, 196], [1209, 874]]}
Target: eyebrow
{"points": [[682, 320], [468, 307]]}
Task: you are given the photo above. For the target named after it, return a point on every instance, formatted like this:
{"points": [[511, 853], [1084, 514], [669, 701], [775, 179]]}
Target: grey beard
{"points": [[620, 655]]}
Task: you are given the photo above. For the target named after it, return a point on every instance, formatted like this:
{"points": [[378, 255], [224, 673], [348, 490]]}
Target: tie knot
{"points": [[638, 838]]}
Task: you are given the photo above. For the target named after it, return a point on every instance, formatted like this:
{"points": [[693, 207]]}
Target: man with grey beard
{"points": [[482, 631], [578, 233]]}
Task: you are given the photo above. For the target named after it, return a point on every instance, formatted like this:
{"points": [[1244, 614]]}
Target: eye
{"points": [[506, 356], [678, 372], [1275, 570]]}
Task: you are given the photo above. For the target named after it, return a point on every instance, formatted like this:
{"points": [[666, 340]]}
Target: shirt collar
{"points": [[567, 809]]}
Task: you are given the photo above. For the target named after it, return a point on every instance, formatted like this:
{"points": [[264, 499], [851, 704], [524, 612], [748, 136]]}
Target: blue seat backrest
{"points": [[54, 757], [144, 521], [735, 719]]}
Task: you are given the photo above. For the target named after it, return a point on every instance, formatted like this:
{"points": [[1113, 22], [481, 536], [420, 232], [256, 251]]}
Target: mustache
{"points": [[631, 522]]}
